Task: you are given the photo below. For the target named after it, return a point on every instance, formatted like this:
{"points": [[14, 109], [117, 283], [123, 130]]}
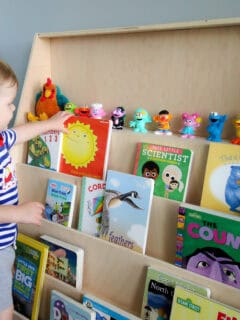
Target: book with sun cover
{"points": [[159, 290], [91, 205], [60, 201], [85, 148], [126, 210], [29, 273], [189, 305], [221, 187], [65, 261], [168, 166], [208, 243]]}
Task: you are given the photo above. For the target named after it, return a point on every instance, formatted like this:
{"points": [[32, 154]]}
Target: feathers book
{"points": [[169, 167], [63, 307], [159, 290], [208, 243], [85, 149], [126, 210], [60, 201], [91, 205], [30, 265], [65, 261], [191, 306], [221, 187]]}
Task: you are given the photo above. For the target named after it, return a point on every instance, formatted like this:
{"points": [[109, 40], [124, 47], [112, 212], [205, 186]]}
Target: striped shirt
{"points": [[8, 186]]}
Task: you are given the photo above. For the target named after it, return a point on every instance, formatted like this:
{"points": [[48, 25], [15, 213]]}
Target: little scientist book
{"points": [[208, 243], [221, 187], [126, 210], [169, 167]]}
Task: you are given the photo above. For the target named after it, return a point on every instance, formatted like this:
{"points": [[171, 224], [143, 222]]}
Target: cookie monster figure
{"points": [[232, 189], [215, 126], [140, 118]]}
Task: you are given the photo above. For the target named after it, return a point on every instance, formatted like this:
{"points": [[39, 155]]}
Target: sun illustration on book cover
{"points": [[79, 145]]}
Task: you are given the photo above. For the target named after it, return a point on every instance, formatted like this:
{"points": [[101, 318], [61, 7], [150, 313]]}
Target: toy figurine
{"points": [[140, 118], [70, 107], [190, 123], [118, 116], [97, 111], [163, 120], [82, 111], [236, 123], [215, 126]]}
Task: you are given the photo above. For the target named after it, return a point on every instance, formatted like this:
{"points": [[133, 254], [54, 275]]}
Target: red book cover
{"points": [[85, 149]]}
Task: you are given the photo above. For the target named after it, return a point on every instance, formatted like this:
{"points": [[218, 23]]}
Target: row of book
{"points": [[165, 296]]}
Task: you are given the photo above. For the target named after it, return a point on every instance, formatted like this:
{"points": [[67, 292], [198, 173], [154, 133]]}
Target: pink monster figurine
{"points": [[97, 111], [190, 123]]}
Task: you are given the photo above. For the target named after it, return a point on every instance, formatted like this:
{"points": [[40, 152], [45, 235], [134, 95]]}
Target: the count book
{"points": [[208, 243], [168, 166]]}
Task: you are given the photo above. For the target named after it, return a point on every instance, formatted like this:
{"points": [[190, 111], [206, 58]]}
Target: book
{"points": [[105, 310], [159, 291], [91, 205], [60, 201], [85, 149], [126, 210], [65, 261], [44, 150], [168, 166], [221, 186], [29, 272], [63, 307], [208, 243], [192, 306]]}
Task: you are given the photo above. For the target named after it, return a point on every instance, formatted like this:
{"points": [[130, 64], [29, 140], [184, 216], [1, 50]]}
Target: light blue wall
{"points": [[21, 19]]}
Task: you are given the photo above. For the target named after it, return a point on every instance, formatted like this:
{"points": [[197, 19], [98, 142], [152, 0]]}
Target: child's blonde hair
{"points": [[7, 74]]}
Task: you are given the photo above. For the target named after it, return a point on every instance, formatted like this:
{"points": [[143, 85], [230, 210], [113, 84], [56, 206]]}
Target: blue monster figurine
{"points": [[215, 126], [141, 117], [232, 189]]}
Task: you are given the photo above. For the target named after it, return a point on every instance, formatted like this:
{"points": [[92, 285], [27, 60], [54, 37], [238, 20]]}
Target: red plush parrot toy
{"points": [[48, 102]]}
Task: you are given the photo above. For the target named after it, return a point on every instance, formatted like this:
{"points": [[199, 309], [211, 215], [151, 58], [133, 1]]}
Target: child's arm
{"points": [[28, 212], [32, 129]]}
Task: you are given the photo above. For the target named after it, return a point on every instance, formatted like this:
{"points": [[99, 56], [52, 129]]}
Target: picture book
{"points": [[169, 167], [60, 201], [192, 306], [221, 186], [65, 261], [85, 149], [159, 290], [63, 307], [105, 310], [91, 205], [44, 150], [208, 243], [29, 272], [126, 210]]}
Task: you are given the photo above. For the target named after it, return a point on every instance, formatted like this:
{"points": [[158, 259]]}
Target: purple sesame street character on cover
{"points": [[190, 123], [118, 116], [215, 126], [140, 118]]}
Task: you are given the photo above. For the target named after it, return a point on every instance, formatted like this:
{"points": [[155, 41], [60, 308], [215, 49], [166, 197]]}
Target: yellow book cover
{"points": [[29, 272], [191, 306], [221, 187]]}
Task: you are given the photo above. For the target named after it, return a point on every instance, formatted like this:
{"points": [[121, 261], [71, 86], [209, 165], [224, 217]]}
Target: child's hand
{"points": [[30, 212], [56, 122]]}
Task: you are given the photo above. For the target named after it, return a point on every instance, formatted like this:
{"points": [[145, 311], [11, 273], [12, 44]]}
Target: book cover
{"points": [[60, 201], [169, 167], [65, 261], [208, 243], [126, 210], [63, 307], [159, 291], [44, 150], [85, 149], [91, 205], [29, 272], [221, 187], [105, 310], [192, 306]]}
